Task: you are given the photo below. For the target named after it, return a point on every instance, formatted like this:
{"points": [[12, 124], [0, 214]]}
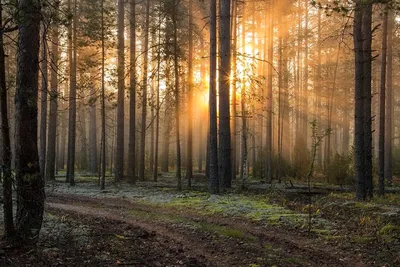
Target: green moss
{"points": [[362, 239], [268, 246], [202, 226], [256, 208], [224, 231], [389, 229], [294, 260], [331, 237]]}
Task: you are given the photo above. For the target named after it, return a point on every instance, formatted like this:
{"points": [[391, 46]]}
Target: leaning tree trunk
{"points": [[52, 134], [30, 184], [9, 230]]}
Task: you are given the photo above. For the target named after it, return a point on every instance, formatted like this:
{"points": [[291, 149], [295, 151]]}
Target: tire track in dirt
{"points": [[229, 252]]}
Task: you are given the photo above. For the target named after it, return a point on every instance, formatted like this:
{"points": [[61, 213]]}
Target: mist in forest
{"points": [[115, 78]]}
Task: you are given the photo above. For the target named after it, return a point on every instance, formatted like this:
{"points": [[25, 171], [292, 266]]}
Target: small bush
{"points": [[301, 164], [340, 170], [285, 168], [396, 161]]}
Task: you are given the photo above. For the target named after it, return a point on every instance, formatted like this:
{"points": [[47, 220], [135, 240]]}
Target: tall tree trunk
{"points": [[382, 106], [213, 152], [243, 165], [367, 50], [167, 136], [330, 106], [304, 123], [142, 163], [176, 90], [234, 86], [43, 103], [54, 96], [132, 95], [189, 156], [103, 106], [225, 161], [119, 156], [83, 153], [298, 157], [155, 173], [93, 133], [72, 100], [244, 130], [359, 105], [389, 103], [9, 230], [30, 184], [200, 122], [167, 125], [359, 112], [268, 143], [319, 88], [63, 135]]}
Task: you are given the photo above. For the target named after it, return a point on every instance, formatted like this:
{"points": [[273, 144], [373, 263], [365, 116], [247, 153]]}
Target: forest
{"points": [[200, 133]]}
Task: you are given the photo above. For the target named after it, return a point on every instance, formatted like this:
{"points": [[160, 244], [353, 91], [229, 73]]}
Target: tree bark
{"points": [[72, 101], [103, 106], [213, 152], [132, 95], [367, 50], [382, 106], [43, 103], [9, 229], [389, 103], [156, 149], [189, 156], [225, 162], [304, 115], [142, 163], [319, 87], [93, 165], [270, 55], [119, 157], [52, 133], [30, 184], [234, 87], [176, 90]]}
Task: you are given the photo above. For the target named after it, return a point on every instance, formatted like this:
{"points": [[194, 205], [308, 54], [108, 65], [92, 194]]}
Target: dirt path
{"points": [[207, 240]]}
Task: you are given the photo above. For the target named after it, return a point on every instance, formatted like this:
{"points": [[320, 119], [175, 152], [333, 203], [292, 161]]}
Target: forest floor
{"points": [[152, 224]]}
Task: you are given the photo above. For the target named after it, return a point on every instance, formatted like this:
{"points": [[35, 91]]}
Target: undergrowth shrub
{"points": [[396, 161], [301, 164], [340, 170], [285, 168]]}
